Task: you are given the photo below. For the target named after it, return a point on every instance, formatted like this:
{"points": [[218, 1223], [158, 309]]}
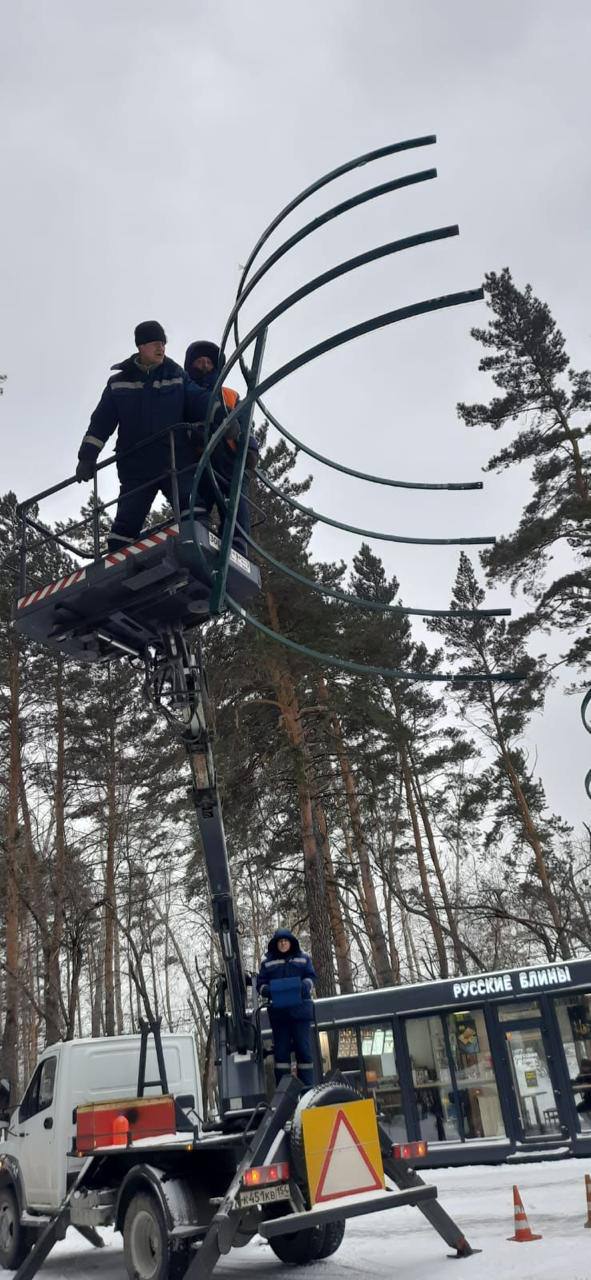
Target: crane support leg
{"points": [[226, 1222], [406, 1178]]}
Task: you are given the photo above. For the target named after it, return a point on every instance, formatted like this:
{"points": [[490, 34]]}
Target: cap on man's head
{"points": [[149, 331]]}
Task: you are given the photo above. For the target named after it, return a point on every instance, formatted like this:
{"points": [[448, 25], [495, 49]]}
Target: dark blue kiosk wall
{"points": [[479, 1067]]}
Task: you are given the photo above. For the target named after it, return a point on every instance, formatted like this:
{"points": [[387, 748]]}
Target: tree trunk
{"points": [[315, 888], [430, 907], [375, 930], [451, 919], [530, 832], [342, 949]]}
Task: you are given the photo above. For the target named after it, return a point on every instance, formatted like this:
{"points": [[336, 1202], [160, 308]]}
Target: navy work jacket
{"points": [[141, 403], [275, 969]]}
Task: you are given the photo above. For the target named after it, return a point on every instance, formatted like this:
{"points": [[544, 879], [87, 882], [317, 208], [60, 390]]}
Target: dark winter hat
{"points": [[272, 950], [149, 331], [201, 349]]}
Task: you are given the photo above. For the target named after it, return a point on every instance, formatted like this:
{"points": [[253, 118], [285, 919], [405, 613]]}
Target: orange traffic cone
{"points": [[523, 1235], [588, 1192]]}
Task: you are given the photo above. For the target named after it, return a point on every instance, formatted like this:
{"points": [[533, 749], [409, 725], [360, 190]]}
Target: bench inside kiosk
{"points": [[485, 1067]]}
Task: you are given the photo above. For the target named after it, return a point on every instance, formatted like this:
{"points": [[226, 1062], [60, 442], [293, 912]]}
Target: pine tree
{"points": [[501, 713], [546, 400]]}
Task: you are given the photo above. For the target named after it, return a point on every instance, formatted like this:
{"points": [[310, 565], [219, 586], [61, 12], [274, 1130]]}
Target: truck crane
{"points": [[140, 1157]]}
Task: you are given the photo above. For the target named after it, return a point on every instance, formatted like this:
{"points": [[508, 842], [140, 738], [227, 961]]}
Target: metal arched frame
{"points": [[258, 385]]}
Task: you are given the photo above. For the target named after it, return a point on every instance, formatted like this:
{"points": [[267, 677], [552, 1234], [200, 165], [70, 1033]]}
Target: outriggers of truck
{"points": [[184, 1197]]}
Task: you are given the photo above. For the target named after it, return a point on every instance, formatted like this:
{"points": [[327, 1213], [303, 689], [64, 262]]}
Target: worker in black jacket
{"points": [[285, 979], [202, 361], [146, 393]]}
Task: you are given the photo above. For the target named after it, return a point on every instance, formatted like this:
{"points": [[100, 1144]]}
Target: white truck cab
{"points": [[37, 1149]]}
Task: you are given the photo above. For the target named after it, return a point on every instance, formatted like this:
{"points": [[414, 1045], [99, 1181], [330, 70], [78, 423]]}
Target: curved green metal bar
{"points": [[350, 471], [334, 273], [359, 331], [371, 533], [408, 144], [305, 357], [346, 597], [329, 344], [336, 211], [587, 723], [358, 668], [343, 597], [584, 708]]}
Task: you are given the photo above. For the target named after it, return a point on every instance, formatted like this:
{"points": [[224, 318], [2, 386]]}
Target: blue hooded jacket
{"points": [[287, 980]]}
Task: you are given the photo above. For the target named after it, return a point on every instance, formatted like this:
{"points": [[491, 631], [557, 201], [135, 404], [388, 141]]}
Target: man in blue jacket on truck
{"points": [[285, 979], [147, 393]]}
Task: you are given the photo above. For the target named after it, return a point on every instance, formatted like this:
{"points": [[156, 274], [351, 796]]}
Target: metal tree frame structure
{"points": [[259, 383]]}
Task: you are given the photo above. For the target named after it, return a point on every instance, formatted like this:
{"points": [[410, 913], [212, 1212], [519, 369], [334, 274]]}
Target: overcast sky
{"points": [[144, 148]]}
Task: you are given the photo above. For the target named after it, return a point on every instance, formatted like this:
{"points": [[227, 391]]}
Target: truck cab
{"points": [[36, 1153]]}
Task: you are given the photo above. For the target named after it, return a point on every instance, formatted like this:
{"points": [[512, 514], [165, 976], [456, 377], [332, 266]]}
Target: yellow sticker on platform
{"points": [[342, 1150]]}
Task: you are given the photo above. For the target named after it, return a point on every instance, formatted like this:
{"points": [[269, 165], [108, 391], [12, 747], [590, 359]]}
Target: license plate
{"points": [[263, 1195]]}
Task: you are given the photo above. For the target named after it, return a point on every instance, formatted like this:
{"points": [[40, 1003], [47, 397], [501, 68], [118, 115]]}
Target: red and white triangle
{"points": [[347, 1170]]}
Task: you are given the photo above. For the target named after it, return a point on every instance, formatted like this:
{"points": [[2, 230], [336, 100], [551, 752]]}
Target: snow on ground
{"points": [[399, 1245]]}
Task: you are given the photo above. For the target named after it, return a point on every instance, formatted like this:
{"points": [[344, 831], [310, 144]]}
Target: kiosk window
{"points": [[574, 1021], [475, 1077], [366, 1057], [431, 1074], [381, 1076], [339, 1050]]}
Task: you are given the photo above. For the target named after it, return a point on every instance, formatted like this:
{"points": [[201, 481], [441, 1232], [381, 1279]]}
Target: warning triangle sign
{"points": [[347, 1169]]}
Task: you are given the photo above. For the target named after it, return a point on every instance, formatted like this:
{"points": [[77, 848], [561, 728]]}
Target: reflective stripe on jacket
{"points": [[140, 403]]}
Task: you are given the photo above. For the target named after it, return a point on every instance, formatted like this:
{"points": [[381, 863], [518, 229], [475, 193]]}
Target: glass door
{"points": [[534, 1088]]}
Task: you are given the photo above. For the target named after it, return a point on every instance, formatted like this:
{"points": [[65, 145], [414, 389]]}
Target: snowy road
{"points": [[399, 1245]]}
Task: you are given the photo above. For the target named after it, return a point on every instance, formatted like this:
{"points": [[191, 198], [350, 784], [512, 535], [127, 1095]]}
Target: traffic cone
{"points": [[523, 1235], [588, 1193]]}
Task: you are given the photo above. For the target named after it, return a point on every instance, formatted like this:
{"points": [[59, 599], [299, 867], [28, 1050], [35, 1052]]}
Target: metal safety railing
{"points": [[91, 523]]}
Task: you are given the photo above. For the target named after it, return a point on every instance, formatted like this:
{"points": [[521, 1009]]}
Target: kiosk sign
{"points": [[512, 983]]}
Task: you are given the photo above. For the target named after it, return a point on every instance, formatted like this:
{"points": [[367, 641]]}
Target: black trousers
{"points": [[290, 1034], [133, 507]]}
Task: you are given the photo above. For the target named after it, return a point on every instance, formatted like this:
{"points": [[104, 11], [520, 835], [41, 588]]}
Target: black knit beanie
{"points": [[149, 331]]}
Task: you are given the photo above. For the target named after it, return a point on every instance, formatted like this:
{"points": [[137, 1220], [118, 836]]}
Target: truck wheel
{"points": [[15, 1241], [146, 1247], [300, 1247], [333, 1238]]}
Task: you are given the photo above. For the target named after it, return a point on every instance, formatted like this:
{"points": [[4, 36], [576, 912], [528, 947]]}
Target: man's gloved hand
{"points": [[307, 986], [85, 470], [264, 993]]}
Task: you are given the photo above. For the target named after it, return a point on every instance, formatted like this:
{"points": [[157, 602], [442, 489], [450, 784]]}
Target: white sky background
{"points": [[145, 147]]}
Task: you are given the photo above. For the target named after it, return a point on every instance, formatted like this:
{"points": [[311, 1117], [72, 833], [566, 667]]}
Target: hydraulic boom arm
{"points": [[176, 684]]}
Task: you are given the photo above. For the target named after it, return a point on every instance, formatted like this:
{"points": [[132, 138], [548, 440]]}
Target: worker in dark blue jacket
{"points": [[201, 364], [285, 979], [146, 393]]}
